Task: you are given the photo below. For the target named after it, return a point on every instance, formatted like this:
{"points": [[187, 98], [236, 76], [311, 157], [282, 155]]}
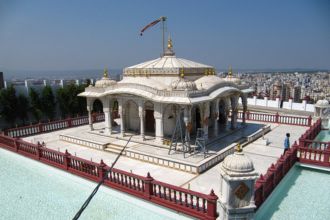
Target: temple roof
{"points": [[167, 65], [168, 62]]}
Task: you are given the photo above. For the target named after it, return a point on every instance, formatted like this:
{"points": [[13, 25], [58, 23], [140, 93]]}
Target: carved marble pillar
{"points": [[158, 115], [121, 112], [142, 116], [107, 121], [244, 104], [107, 115], [187, 122], [206, 114], [89, 109]]}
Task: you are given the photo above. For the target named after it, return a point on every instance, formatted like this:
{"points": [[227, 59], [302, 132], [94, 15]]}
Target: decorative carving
{"points": [[241, 190]]}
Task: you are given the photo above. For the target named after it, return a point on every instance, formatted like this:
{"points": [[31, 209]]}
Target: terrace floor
{"points": [[261, 154]]}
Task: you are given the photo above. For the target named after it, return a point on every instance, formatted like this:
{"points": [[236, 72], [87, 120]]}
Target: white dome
{"points": [[206, 82], [104, 82], [183, 84], [238, 162], [323, 102]]}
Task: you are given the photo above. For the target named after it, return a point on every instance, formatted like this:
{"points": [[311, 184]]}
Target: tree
{"points": [[82, 102], [88, 82], [63, 99], [8, 105], [35, 104], [48, 104], [69, 102], [23, 107]]}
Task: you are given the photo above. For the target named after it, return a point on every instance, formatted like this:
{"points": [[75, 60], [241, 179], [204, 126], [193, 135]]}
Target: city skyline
{"points": [[83, 35]]}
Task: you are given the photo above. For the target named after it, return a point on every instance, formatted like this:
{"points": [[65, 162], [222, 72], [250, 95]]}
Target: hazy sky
{"points": [[86, 34]]}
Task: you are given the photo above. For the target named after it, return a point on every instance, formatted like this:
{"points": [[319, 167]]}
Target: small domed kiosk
{"points": [[322, 110], [236, 196]]}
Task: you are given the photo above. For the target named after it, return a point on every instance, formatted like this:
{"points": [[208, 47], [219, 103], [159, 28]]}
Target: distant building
{"points": [[2, 84], [275, 90], [285, 93], [296, 94]]}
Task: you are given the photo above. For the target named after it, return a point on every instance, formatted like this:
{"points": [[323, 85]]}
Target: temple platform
{"points": [[149, 150]]}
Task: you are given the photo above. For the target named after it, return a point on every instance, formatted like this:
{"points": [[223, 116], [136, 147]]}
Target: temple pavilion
{"points": [[152, 95]]}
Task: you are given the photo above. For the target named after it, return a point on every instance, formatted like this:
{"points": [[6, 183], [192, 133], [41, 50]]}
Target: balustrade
{"points": [[51, 126], [192, 203]]}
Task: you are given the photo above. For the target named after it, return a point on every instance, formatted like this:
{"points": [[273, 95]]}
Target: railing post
{"points": [[281, 161], [15, 144], [247, 115], [101, 169], [148, 188], [309, 120], [212, 205], [327, 157], [38, 150], [40, 127], [93, 117], [272, 169], [277, 117], [66, 160], [69, 122], [295, 151], [260, 183]]}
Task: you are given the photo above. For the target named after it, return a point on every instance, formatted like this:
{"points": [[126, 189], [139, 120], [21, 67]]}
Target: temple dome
{"points": [[322, 103], [238, 162], [183, 84], [168, 65], [105, 81], [206, 82]]}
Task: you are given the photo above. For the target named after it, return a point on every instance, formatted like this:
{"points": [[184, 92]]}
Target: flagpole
{"points": [[163, 38]]}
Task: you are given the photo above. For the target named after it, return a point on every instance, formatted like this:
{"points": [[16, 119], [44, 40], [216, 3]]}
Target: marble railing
{"points": [[166, 93], [52, 126]]}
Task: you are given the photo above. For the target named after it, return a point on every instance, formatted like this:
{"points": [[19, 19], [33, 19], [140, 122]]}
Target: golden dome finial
{"points": [[169, 43], [182, 72], [230, 72], [239, 148], [105, 73]]}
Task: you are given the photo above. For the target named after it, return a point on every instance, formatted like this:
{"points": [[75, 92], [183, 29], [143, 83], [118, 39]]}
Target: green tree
{"points": [[23, 107], [48, 104], [82, 103], [8, 107], [35, 104], [88, 82], [69, 102], [61, 98]]}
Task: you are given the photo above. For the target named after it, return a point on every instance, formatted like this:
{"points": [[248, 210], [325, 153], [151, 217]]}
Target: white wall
{"points": [[276, 104]]}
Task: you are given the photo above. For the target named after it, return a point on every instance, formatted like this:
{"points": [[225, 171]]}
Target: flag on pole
{"points": [[152, 24]]}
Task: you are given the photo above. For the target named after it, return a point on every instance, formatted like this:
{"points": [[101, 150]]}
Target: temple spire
{"points": [[230, 72], [169, 50], [169, 43], [105, 73]]}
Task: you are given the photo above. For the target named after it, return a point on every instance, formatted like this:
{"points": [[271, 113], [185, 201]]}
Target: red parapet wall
{"points": [[307, 151], [276, 118], [266, 183], [52, 126], [308, 137], [189, 202], [313, 152]]}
